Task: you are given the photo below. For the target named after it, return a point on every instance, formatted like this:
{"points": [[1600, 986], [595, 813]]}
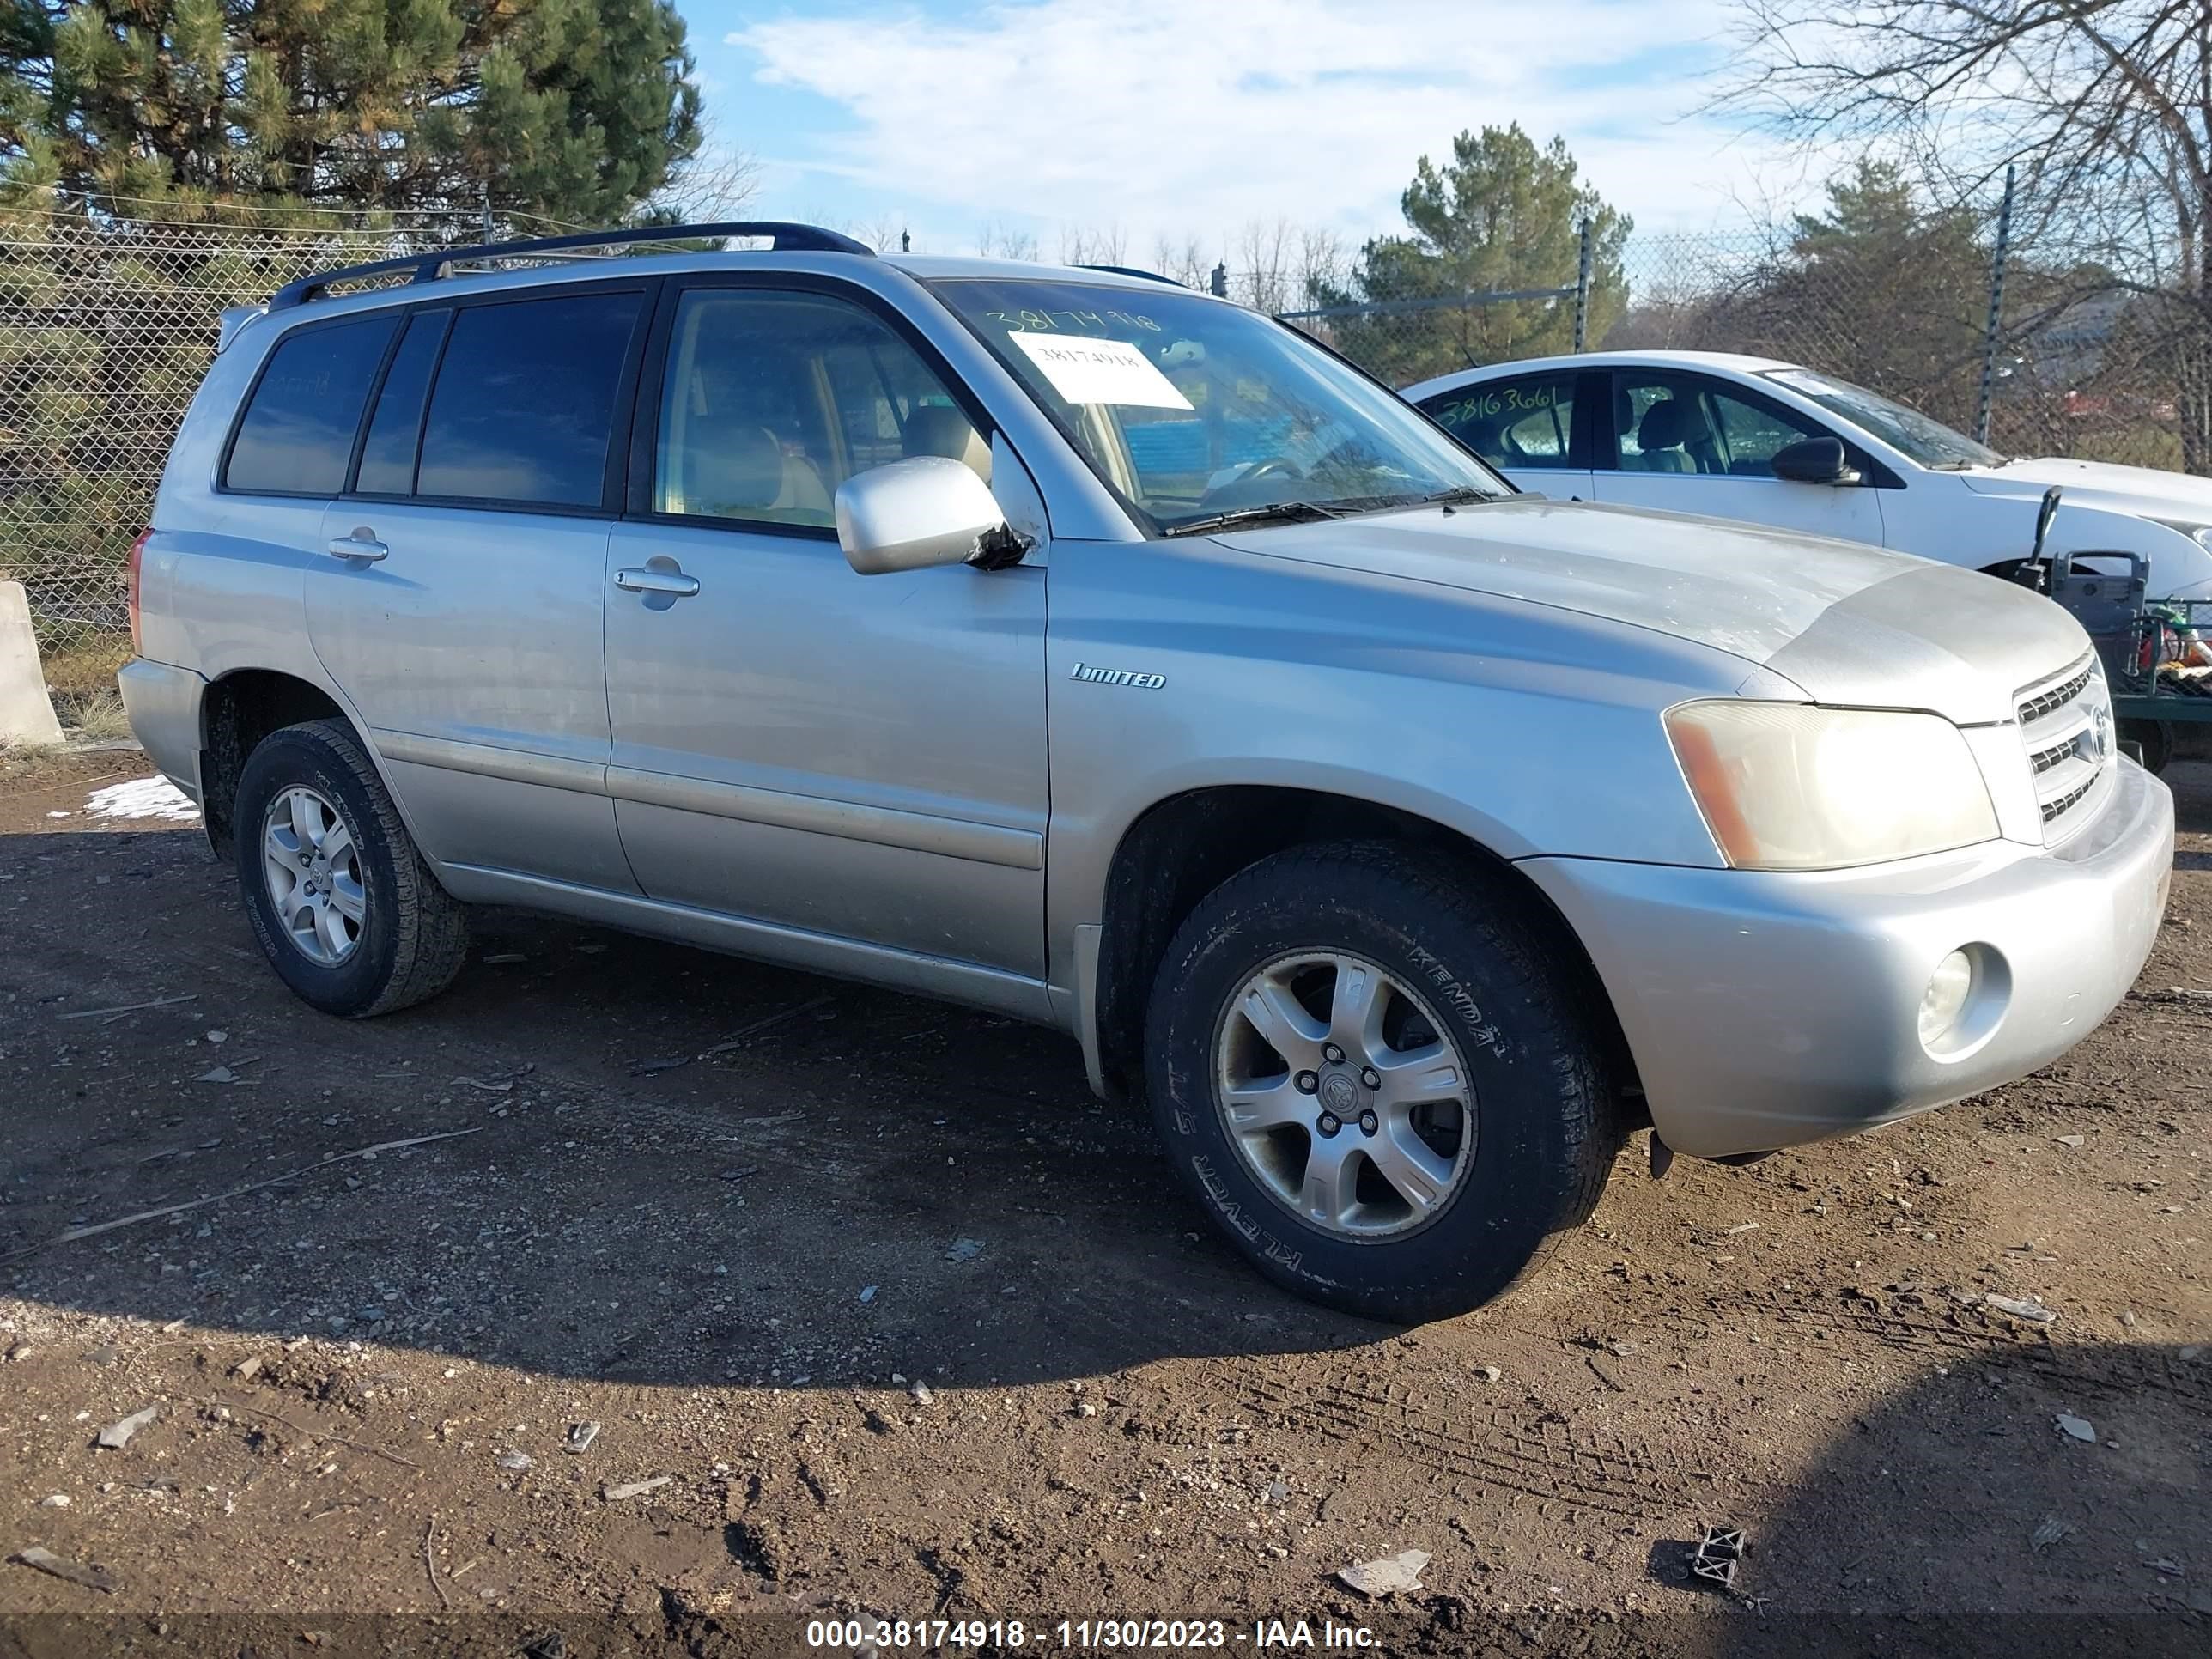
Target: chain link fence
{"points": [[107, 327]]}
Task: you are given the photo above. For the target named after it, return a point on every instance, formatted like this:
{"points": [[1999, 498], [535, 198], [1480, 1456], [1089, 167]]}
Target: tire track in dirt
{"points": [[1543, 1457], [1965, 1333]]}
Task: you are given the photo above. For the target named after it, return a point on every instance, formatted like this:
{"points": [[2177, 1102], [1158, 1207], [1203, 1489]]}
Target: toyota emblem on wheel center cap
{"points": [[1339, 1093]]}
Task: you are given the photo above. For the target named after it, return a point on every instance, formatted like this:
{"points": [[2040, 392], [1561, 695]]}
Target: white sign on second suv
{"points": [[1771, 443]]}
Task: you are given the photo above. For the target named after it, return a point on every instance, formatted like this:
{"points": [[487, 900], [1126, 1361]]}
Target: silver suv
{"points": [[1068, 644]]}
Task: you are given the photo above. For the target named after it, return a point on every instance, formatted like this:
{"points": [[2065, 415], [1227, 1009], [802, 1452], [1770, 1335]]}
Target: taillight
{"points": [[130, 582]]}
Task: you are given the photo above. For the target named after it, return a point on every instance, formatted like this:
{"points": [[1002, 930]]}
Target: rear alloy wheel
{"points": [[311, 870], [1372, 1067], [345, 909]]}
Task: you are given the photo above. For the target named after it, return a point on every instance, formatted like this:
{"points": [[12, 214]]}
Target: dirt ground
{"points": [[906, 1325]]}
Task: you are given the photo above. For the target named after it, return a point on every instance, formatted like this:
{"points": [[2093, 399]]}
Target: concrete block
{"points": [[26, 715]]}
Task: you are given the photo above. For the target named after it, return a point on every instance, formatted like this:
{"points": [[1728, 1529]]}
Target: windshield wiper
{"points": [[1265, 513], [1464, 495]]}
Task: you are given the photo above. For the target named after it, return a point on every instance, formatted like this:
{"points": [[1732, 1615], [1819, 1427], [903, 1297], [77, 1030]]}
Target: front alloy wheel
{"points": [[1342, 1099], [1377, 1068]]}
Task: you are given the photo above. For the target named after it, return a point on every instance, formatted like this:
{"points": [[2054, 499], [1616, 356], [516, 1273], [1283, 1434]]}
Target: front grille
{"points": [[2056, 808], [2045, 702], [2066, 727]]}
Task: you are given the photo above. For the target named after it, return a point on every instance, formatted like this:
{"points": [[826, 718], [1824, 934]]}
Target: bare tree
{"points": [[1080, 247], [718, 181], [1183, 261], [997, 241], [1324, 264], [2104, 107], [1263, 265]]}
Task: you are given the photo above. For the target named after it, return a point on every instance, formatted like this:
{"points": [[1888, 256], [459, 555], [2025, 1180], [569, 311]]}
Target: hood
{"points": [[2146, 491], [1846, 623]]}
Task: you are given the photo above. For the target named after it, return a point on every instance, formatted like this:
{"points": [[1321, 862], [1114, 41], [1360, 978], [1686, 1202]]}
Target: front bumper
{"points": [[163, 705], [1765, 1010]]}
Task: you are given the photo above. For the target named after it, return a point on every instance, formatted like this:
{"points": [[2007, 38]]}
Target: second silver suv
{"points": [[1068, 644]]}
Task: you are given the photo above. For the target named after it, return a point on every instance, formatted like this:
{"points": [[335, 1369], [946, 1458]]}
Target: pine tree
{"points": [[1500, 215], [577, 109]]}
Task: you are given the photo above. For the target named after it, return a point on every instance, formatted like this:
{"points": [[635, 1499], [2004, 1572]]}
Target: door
{"points": [[462, 604], [856, 757], [1690, 443], [1527, 427]]}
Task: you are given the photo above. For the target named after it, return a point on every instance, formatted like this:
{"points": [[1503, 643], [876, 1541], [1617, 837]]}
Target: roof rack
{"points": [[785, 237], [1132, 270]]}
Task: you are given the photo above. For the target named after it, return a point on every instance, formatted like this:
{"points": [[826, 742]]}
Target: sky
{"points": [[1193, 117]]}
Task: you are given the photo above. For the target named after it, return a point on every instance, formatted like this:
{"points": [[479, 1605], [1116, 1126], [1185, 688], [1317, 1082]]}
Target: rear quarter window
{"points": [[387, 454], [296, 436]]}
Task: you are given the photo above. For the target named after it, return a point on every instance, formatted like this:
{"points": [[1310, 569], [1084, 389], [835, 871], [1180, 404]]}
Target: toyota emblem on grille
{"points": [[2097, 738]]}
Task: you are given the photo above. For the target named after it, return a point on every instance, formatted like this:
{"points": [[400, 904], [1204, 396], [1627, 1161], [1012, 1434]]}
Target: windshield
{"points": [[1189, 409], [1925, 441]]}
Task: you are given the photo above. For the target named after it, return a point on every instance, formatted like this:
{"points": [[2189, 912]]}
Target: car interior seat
{"points": [[735, 469], [1664, 435], [941, 429]]}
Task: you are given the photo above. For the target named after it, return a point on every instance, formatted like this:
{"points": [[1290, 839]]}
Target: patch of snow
{"points": [[143, 798]]}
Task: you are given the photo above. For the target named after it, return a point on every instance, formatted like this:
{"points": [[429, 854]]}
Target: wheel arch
{"points": [[1183, 847], [237, 712]]}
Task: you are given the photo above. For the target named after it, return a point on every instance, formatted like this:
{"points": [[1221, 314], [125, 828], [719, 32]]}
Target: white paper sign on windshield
{"points": [[1087, 371]]}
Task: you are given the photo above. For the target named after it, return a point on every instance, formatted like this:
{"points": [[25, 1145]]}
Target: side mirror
{"points": [[924, 511], [1814, 461]]}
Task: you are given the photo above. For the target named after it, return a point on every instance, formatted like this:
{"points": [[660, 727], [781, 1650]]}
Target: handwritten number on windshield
{"points": [[1103, 321]]}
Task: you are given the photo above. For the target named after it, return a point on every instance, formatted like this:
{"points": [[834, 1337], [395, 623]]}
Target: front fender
{"points": [[1173, 668]]}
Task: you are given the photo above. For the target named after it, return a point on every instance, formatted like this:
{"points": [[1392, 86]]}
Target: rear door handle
{"points": [[673, 583], [362, 545]]}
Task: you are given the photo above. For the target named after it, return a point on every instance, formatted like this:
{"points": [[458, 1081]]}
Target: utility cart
{"points": [[2157, 659]]}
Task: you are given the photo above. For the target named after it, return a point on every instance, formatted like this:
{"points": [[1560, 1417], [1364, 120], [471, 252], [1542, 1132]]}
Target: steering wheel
{"points": [[1236, 491]]}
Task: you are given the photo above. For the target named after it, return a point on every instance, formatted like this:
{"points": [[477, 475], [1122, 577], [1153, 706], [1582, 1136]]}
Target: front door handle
{"points": [[362, 545], [674, 583]]}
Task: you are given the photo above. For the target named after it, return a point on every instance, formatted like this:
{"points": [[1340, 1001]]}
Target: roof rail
{"points": [[785, 237], [1132, 270]]}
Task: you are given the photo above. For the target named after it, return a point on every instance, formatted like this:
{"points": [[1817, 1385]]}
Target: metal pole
{"points": [[1219, 285], [1996, 313], [1582, 291]]}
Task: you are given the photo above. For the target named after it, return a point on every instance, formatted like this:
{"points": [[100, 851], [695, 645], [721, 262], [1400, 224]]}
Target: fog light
{"points": [[1948, 988]]}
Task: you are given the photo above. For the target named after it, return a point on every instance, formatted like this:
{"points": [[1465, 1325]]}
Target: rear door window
{"points": [[387, 454], [523, 408], [1512, 424], [296, 438]]}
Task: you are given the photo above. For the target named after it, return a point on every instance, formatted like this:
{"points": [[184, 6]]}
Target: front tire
{"points": [[2156, 737], [1373, 1075], [342, 903]]}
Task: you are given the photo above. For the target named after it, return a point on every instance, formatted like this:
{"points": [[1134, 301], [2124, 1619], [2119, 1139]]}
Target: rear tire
{"points": [[343, 906], [1438, 1187]]}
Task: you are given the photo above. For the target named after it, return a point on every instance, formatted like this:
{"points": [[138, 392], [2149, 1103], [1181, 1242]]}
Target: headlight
{"points": [[1785, 786]]}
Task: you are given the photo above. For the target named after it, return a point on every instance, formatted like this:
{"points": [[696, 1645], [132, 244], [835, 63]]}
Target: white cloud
{"points": [[1164, 116]]}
